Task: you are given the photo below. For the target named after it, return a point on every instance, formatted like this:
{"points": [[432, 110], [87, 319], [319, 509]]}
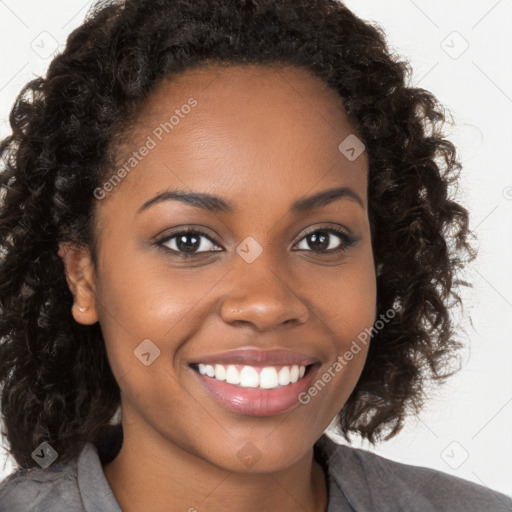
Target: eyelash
{"points": [[347, 241]]}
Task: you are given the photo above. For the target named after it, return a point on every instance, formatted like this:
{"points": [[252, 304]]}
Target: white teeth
{"points": [[284, 376], [220, 372], [232, 375], [268, 378], [249, 377]]}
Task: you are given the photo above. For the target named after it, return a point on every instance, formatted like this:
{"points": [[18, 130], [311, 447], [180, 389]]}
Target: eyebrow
{"points": [[217, 204]]}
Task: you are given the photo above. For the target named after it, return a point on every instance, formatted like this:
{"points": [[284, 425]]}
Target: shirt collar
{"points": [[94, 488], [344, 470]]}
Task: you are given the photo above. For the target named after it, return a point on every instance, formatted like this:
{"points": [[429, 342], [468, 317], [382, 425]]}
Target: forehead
{"points": [[250, 128], [285, 98], [221, 80]]}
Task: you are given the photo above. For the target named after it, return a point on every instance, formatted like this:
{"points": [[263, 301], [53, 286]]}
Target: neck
{"points": [[161, 476]]}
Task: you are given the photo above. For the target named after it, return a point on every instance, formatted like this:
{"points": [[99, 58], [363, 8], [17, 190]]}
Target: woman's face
{"points": [[260, 274]]}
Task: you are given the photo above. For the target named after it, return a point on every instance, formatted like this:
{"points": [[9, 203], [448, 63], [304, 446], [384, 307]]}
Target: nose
{"points": [[262, 297]]}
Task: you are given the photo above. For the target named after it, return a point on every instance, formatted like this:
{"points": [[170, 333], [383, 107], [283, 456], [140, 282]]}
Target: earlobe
{"points": [[80, 277]]}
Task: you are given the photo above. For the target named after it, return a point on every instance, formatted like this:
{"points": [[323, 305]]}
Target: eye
{"points": [[322, 240], [188, 242]]}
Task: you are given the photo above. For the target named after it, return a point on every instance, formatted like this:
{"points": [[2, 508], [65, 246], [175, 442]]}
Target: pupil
{"points": [[187, 247], [322, 237]]}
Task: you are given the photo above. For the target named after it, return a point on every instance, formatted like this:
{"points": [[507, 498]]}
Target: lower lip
{"points": [[256, 401]]}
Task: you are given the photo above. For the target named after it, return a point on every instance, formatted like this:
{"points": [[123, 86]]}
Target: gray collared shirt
{"points": [[358, 481]]}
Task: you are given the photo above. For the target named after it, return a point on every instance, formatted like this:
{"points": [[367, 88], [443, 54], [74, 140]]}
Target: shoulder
{"points": [[443, 491], [367, 479], [76, 486], [38, 490]]}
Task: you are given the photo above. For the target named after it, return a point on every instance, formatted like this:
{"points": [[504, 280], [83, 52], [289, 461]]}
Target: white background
{"points": [[465, 428]]}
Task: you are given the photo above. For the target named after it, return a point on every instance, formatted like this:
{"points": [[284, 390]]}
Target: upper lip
{"points": [[253, 356]]}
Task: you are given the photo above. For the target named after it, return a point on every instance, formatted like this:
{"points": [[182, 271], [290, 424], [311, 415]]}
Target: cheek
{"points": [[357, 306], [345, 299], [138, 302], [347, 309], [169, 305], [359, 313]]}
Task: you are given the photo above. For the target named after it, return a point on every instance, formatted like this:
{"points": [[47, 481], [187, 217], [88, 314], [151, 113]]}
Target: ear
{"points": [[80, 277]]}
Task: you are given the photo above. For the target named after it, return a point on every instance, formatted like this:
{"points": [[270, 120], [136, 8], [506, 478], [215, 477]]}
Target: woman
{"points": [[225, 225]]}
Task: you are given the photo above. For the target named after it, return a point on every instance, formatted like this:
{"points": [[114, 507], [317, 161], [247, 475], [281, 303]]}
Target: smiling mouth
{"points": [[248, 376]]}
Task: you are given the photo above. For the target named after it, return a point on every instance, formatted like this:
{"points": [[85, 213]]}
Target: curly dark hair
{"points": [[57, 384]]}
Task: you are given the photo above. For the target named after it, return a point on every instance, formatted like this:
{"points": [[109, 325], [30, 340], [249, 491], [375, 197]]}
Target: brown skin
{"points": [[260, 139]]}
